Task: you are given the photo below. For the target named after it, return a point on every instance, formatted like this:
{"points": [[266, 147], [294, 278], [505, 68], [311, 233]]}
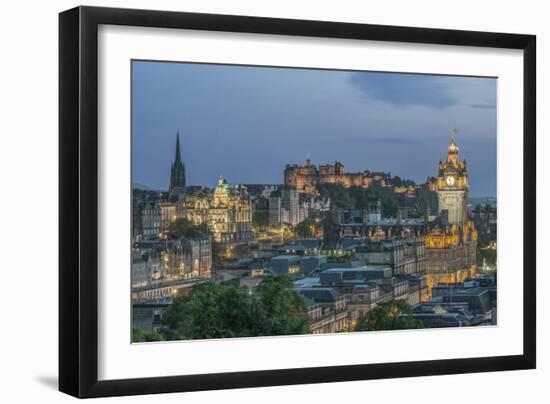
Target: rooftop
{"points": [[361, 268], [285, 257], [320, 295], [307, 282]]}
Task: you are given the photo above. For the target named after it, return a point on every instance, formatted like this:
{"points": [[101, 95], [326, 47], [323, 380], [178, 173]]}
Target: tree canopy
{"points": [[283, 310], [309, 227], [338, 194], [138, 335], [216, 310], [184, 228], [392, 315], [357, 197], [260, 218], [490, 255]]}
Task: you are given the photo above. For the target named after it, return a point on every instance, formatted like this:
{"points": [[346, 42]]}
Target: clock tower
{"points": [[452, 186]]}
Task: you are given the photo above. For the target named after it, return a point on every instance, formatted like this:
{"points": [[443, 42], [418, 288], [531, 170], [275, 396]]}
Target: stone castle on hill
{"points": [[306, 178]]}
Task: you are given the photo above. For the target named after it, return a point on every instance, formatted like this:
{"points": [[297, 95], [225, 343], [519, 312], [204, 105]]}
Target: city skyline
{"points": [[365, 120], [322, 239]]}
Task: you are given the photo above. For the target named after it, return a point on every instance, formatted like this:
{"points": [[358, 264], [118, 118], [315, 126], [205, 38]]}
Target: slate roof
{"points": [[321, 295]]}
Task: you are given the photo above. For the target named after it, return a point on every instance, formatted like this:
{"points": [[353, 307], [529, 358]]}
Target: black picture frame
{"points": [[78, 201]]}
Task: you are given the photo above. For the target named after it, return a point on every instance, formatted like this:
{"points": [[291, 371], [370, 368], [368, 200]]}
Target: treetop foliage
{"points": [[392, 315], [184, 228], [216, 310]]}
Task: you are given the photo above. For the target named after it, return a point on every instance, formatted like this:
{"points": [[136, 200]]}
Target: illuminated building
{"points": [[230, 215], [187, 258], [327, 310], [285, 264], [451, 243], [155, 261], [452, 186], [275, 211], [285, 207], [149, 220], [305, 178], [405, 255], [167, 215], [227, 211]]}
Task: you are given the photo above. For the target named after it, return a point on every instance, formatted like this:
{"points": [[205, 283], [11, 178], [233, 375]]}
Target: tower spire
{"points": [[177, 173], [453, 149], [178, 153]]}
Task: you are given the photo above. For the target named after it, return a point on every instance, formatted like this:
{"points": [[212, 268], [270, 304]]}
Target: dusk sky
{"points": [[247, 123]]}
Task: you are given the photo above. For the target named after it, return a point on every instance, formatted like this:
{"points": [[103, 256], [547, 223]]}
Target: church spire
{"points": [[178, 153], [177, 172]]}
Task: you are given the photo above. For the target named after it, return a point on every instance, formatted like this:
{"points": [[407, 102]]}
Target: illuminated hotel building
{"points": [[227, 211], [451, 243]]}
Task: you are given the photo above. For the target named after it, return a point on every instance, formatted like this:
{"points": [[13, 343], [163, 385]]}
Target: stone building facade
{"points": [[306, 178], [171, 260], [405, 255], [227, 211], [451, 243], [285, 207]]}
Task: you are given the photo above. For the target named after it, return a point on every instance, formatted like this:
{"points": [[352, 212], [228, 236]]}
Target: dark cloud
{"points": [[246, 123], [404, 89], [483, 106]]}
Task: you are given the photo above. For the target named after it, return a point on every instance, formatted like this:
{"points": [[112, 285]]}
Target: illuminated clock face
{"points": [[450, 180]]}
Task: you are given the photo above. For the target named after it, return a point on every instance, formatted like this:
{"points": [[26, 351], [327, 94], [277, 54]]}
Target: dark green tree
{"points": [[339, 196], [330, 230], [309, 226], [215, 310], [260, 219], [389, 207], [392, 315], [488, 254], [184, 228], [211, 310], [303, 229], [138, 335], [283, 310], [346, 257], [357, 197]]}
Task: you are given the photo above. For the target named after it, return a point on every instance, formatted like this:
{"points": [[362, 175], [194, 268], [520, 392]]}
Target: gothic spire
{"points": [[177, 173], [178, 153]]}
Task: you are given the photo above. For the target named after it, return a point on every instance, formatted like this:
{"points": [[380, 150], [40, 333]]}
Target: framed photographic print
{"points": [[251, 201]]}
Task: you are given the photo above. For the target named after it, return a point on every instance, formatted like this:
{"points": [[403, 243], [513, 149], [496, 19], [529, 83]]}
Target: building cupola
{"points": [[452, 154]]}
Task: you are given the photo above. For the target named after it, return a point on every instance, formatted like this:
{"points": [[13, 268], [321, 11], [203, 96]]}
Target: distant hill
{"points": [[137, 185], [491, 200]]}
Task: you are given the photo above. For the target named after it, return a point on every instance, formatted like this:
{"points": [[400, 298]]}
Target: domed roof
{"points": [[222, 186]]}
